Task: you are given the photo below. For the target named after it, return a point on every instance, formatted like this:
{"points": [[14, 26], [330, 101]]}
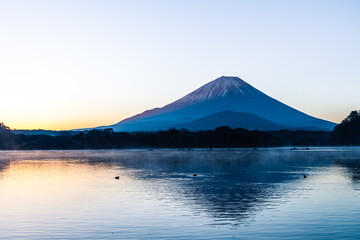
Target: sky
{"points": [[76, 64]]}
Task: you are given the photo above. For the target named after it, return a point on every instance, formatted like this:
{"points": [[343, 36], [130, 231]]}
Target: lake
{"points": [[236, 194]]}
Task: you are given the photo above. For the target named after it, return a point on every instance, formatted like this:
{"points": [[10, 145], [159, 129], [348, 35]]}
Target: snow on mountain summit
{"points": [[217, 88]]}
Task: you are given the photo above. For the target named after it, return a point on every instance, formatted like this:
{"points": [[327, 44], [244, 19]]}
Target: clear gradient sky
{"points": [[75, 64]]}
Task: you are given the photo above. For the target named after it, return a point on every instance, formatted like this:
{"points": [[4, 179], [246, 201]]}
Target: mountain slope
{"points": [[224, 93]]}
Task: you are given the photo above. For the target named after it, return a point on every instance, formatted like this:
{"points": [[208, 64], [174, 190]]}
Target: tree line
{"points": [[347, 134]]}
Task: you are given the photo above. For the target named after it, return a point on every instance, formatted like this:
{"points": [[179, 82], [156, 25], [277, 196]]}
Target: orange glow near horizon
{"points": [[64, 123], [58, 126]]}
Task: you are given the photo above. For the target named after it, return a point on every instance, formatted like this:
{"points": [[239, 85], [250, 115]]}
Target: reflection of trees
{"points": [[352, 168], [3, 165]]}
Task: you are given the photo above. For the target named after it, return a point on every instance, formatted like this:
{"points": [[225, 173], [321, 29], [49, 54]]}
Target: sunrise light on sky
{"points": [[77, 64]]}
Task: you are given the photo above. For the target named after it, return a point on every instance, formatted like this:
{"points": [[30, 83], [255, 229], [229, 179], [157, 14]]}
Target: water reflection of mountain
{"points": [[229, 185]]}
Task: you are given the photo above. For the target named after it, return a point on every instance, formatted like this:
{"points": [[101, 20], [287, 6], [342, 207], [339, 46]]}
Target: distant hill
{"points": [[42, 132], [233, 120], [223, 94]]}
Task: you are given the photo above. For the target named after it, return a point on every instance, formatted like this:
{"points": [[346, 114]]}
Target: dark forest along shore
{"points": [[345, 134]]}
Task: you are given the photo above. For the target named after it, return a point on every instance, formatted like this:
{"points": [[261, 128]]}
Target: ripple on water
{"points": [[251, 195]]}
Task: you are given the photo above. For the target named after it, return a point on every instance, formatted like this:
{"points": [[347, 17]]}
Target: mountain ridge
{"points": [[221, 94], [231, 83]]}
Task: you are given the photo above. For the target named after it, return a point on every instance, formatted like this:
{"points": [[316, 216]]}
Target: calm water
{"points": [[238, 194]]}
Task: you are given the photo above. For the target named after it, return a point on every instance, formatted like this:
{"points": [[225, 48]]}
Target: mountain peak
{"points": [[225, 82], [218, 88], [229, 78]]}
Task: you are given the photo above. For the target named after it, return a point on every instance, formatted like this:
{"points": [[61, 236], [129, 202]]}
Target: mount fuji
{"points": [[224, 101]]}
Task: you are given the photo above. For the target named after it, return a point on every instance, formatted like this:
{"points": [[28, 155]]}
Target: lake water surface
{"points": [[237, 194]]}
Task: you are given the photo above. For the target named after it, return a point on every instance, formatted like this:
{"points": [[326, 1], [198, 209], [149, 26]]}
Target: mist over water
{"points": [[237, 194]]}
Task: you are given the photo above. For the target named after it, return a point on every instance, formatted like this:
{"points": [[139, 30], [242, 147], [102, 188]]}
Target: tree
{"points": [[353, 118], [5, 137], [3, 127], [348, 131]]}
